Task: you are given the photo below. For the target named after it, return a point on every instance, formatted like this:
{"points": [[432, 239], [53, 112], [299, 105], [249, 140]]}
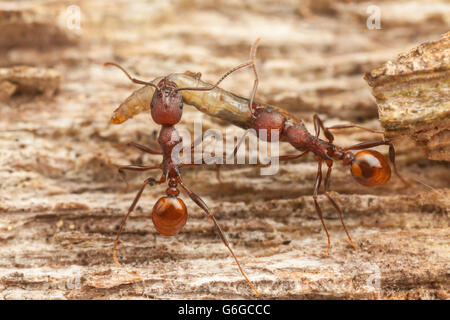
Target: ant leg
{"points": [[218, 165], [139, 168], [335, 205], [241, 66], [133, 168], [368, 144], [319, 124], [149, 181], [200, 140], [196, 75], [205, 208], [233, 155], [201, 164], [280, 158], [144, 148], [287, 158], [392, 158], [128, 75], [196, 142], [316, 204], [346, 126], [371, 144]]}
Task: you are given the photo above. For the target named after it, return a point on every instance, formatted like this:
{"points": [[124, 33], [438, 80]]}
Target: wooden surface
{"points": [[61, 200]]}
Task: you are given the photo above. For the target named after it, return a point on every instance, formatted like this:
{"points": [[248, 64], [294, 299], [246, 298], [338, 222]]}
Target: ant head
{"points": [[369, 167], [167, 104]]}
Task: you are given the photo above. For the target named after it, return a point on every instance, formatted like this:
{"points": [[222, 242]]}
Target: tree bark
{"points": [[413, 96], [61, 202]]}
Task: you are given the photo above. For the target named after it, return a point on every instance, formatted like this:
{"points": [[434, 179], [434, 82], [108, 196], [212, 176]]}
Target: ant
{"points": [[169, 213], [369, 167]]}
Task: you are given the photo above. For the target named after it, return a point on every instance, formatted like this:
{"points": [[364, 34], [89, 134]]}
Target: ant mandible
{"points": [[368, 167], [169, 214]]}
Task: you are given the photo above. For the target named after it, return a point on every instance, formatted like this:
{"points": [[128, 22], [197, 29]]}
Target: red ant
{"points": [[368, 167], [169, 214]]}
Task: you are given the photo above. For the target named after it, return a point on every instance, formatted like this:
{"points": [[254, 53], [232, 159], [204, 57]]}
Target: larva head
{"points": [[169, 215], [369, 167], [166, 106]]}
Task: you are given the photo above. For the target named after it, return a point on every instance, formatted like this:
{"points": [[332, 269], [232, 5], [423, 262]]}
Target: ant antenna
{"points": [[255, 73], [249, 63], [128, 75]]}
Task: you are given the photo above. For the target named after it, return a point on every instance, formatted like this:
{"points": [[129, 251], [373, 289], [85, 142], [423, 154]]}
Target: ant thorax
{"points": [[168, 139], [299, 137]]}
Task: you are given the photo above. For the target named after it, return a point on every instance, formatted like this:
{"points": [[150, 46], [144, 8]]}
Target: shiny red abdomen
{"points": [[370, 168], [169, 215]]}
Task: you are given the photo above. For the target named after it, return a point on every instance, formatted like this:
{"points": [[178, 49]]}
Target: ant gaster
{"points": [[169, 214]]}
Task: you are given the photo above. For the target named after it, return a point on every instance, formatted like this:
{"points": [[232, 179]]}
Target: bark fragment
{"points": [[413, 96]]}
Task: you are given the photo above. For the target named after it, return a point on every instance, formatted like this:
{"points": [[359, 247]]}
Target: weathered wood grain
{"points": [[61, 200], [413, 96]]}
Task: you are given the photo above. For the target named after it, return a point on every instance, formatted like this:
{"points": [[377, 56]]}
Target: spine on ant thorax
{"points": [[168, 139]]}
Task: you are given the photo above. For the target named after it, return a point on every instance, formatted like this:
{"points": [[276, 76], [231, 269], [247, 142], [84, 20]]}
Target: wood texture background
{"points": [[61, 201]]}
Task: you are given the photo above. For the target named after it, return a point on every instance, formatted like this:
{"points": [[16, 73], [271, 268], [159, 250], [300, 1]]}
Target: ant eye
{"points": [[180, 105], [370, 168]]}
